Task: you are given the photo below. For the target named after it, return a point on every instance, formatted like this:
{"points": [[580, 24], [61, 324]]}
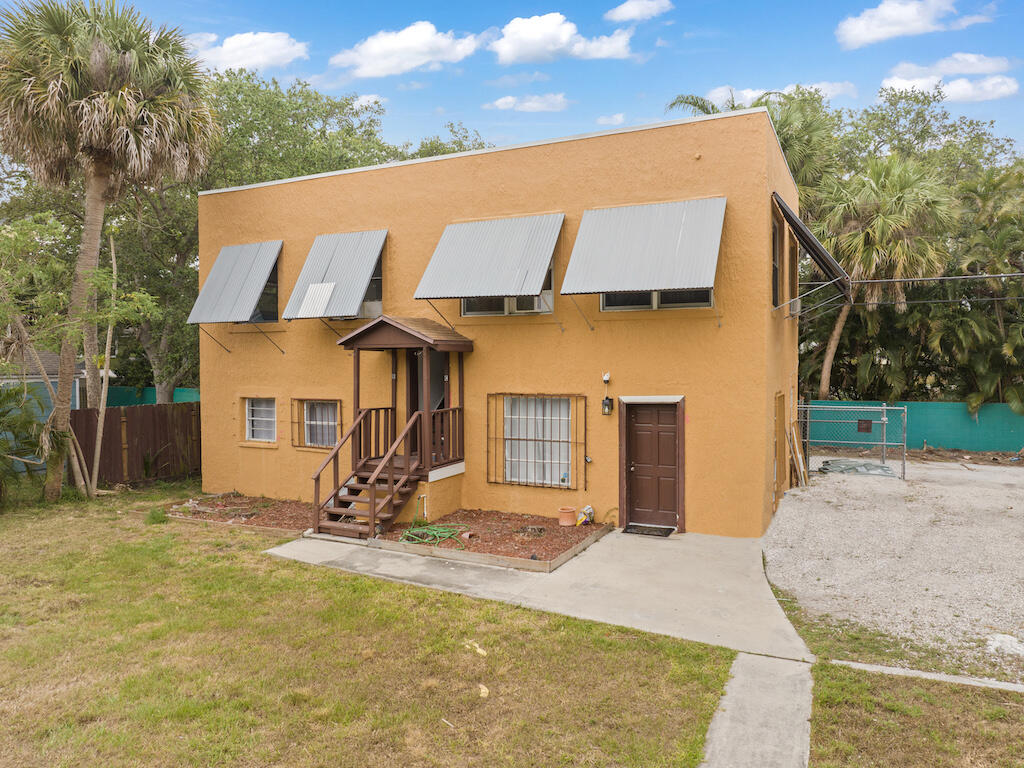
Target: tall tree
{"points": [[884, 223], [96, 90]]}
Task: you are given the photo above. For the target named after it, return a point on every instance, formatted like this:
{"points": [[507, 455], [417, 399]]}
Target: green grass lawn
{"points": [[125, 640], [861, 719]]}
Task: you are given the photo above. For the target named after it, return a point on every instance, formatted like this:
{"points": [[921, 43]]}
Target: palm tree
{"points": [[805, 127], [94, 90], [884, 223]]}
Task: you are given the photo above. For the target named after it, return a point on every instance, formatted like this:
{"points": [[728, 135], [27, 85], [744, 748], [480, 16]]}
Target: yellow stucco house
{"points": [[601, 319]]}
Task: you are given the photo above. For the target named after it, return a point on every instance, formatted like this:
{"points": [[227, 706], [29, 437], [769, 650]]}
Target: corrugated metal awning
{"points": [[654, 247], [496, 257], [236, 280], [336, 274], [819, 254]]}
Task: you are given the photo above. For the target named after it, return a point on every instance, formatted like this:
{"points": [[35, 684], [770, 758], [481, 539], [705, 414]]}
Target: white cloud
{"points": [[548, 102], [830, 89], [368, 100], [543, 38], [413, 85], [662, 43], [638, 10], [514, 81], [956, 64], [961, 88], [394, 53], [925, 77], [901, 18], [249, 50], [617, 119]]}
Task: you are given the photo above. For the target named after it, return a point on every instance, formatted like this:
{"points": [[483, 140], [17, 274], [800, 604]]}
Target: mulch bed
{"points": [[246, 510], [504, 533]]}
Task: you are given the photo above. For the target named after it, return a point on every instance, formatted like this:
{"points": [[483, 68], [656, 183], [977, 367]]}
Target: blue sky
{"points": [[525, 70]]}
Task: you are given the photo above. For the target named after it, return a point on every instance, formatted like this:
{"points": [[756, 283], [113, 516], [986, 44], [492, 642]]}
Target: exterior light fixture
{"points": [[607, 405]]}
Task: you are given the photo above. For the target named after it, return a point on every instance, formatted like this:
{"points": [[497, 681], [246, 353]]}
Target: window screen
{"points": [[260, 419]]}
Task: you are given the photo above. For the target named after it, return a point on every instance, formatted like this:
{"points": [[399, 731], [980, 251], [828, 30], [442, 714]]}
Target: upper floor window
{"points": [[677, 299], [266, 305], [373, 299], [512, 305], [776, 263]]}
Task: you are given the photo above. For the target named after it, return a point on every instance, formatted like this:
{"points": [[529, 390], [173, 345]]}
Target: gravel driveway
{"points": [[938, 558]]}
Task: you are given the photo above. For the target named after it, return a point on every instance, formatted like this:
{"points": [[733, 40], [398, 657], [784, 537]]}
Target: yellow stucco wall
{"points": [[728, 361]]}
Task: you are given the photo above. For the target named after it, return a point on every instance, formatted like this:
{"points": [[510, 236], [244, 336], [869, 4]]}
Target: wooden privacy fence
{"points": [[142, 442]]}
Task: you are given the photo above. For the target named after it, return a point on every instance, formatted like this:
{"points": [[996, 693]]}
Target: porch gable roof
{"points": [[388, 332]]}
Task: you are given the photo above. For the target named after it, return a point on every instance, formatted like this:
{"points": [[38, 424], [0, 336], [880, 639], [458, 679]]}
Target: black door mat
{"points": [[648, 530]]}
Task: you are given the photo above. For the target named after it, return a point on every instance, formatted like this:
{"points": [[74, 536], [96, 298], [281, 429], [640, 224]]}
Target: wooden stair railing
{"points": [[332, 458], [368, 475], [388, 461]]}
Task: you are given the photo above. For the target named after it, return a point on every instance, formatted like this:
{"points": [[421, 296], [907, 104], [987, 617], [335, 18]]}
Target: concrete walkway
{"points": [[764, 718], [709, 589], [705, 588]]}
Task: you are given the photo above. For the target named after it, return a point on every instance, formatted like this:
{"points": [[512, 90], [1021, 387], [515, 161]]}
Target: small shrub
{"points": [[156, 516]]}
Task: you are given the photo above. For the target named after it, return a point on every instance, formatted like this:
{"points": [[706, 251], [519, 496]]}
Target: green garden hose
{"points": [[435, 534]]}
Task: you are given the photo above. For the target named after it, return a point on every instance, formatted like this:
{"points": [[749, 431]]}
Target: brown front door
{"points": [[653, 465]]}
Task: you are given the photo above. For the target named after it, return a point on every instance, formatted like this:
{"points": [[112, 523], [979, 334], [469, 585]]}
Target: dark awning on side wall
{"points": [[233, 287], [819, 254], [336, 274], [495, 257], [651, 247]]}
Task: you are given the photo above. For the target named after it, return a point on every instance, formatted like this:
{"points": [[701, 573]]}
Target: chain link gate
{"points": [[866, 433]]}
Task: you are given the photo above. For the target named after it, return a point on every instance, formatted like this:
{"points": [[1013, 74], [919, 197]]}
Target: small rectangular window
{"points": [[776, 266], [690, 297], [266, 306], [512, 305], [261, 419], [373, 299], [536, 440], [317, 425], [676, 299], [794, 268], [627, 300]]}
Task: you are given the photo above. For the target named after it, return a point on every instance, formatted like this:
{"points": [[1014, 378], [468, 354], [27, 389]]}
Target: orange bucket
{"points": [[567, 516]]}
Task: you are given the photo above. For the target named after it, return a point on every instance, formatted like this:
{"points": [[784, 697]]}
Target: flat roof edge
{"points": [[506, 148]]}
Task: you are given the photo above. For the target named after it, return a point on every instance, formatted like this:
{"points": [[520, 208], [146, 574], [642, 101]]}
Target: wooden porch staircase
{"points": [[367, 501]]}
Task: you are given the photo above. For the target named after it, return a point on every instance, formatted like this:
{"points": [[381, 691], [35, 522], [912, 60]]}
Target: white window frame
{"points": [[537, 440], [657, 304], [323, 425], [251, 419]]}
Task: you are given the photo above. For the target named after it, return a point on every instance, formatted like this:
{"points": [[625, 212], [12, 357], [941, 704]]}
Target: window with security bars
{"points": [[315, 423], [261, 419], [536, 440]]}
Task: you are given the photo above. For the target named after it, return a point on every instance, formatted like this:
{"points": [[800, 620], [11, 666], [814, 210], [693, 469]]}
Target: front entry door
{"points": [[653, 465]]}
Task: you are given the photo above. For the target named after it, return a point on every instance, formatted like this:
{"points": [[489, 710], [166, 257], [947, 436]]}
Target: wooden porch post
{"points": [[427, 443], [357, 442], [394, 394], [462, 384], [461, 431]]}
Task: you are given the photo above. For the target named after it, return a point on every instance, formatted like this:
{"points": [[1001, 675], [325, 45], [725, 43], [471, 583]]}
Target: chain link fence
{"points": [[861, 439]]}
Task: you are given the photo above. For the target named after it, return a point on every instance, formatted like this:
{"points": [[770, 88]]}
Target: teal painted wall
{"points": [[946, 425], [118, 396]]}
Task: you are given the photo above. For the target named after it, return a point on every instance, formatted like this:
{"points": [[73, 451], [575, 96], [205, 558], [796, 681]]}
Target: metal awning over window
{"points": [[336, 274], [233, 287], [655, 247], [496, 257], [819, 254]]}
